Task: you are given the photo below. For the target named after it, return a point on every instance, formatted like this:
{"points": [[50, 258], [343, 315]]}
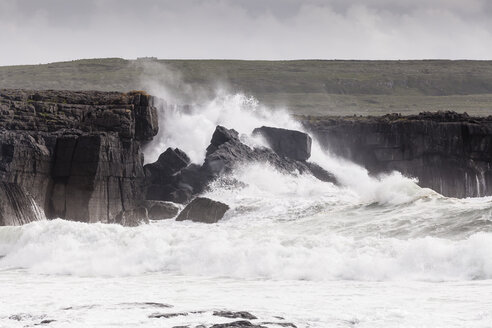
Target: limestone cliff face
{"points": [[76, 153], [448, 152], [16, 206]]}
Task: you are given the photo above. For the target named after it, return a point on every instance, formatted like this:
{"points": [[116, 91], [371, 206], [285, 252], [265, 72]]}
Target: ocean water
{"points": [[370, 252]]}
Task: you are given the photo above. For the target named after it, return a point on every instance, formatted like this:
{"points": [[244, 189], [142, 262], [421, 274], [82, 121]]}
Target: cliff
{"points": [[76, 153], [448, 152]]}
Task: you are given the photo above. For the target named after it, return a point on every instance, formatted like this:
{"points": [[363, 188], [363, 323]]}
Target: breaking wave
{"points": [[279, 227]]}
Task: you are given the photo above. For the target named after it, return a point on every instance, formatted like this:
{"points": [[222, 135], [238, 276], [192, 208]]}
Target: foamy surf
{"points": [[367, 252], [279, 227]]}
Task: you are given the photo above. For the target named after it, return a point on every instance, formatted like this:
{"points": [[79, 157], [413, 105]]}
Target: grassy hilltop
{"points": [[309, 87]]}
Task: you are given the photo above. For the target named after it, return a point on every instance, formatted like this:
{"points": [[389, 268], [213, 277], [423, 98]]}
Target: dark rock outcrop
{"points": [[133, 217], [223, 154], [223, 157], [16, 206], [203, 210], [244, 323], [161, 175], [235, 315], [77, 153], [167, 315], [160, 210], [448, 152], [289, 143]]}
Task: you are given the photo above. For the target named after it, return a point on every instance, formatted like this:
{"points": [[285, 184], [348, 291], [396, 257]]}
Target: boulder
{"points": [[160, 210], [169, 162], [220, 136], [160, 175], [223, 157], [224, 153], [203, 210], [288, 143], [16, 206], [133, 217]]}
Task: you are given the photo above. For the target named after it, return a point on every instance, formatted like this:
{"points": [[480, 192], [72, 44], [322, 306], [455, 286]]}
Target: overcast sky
{"points": [[41, 31]]}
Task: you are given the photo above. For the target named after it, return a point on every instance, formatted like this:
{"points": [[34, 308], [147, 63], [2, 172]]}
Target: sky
{"points": [[41, 31]]}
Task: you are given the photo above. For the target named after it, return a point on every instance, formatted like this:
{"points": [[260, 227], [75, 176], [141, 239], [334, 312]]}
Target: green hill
{"points": [[310, 87]]}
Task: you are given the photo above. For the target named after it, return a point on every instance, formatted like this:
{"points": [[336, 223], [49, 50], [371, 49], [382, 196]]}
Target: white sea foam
{"points": [[290, 245], [244, 246], [192, 129], [279, 226]]}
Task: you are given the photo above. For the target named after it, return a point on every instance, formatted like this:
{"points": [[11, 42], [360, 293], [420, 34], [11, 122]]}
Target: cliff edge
{"points": [[76, 153], [448, 152]]}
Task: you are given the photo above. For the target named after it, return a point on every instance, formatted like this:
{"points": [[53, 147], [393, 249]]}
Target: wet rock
{"points": [[235, 315], [280, 324], [167, 315], [26, 316], [27, 160], [223, 157], [224, 153], [160, 210], [76, 153], [220, 136], [169, 162], [289, 143], [203, 210], [130, 115], [45, 322], [160, 175], [448, 152], [320, 173], [104, 176], [237, 324], [133, 217], [81, 307], [16, 206]]}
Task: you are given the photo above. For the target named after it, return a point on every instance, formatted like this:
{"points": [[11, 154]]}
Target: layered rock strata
{"points": [[77, 153], [16, 206], [448, 152]]}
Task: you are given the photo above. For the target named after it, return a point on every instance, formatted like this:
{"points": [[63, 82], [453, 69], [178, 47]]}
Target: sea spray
{"points": [[360, 252], [280, 226], [191, 129], [272, 251]]}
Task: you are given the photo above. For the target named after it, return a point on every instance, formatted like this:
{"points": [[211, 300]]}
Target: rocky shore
{"points": [[163, 313], [448, 152], [77, 155]]}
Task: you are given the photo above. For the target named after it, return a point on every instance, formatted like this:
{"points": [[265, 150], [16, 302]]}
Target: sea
{"points": [[370, 251]]}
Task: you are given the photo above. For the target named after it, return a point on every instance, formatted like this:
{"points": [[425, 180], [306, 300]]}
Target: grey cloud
{"points": [[51, 30]]}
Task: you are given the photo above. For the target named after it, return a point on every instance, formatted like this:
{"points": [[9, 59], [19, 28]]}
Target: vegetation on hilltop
{"points": [[310, 87]]}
